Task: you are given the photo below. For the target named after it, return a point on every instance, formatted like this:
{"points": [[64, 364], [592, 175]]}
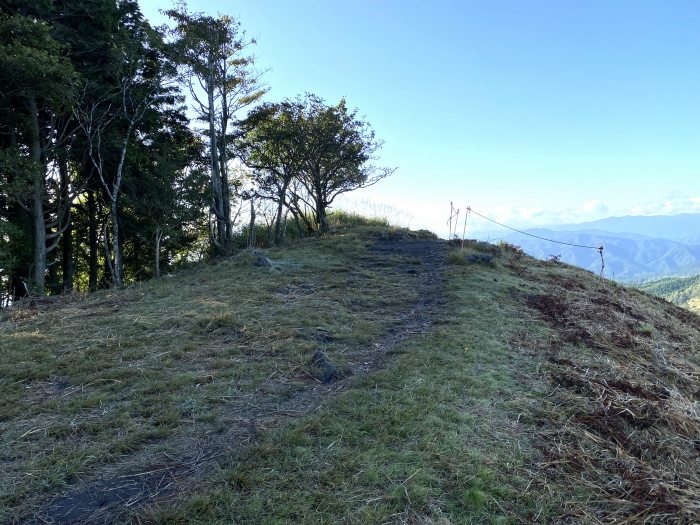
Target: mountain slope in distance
{"points": [[683, 291], [683, 227], [628, 256]]}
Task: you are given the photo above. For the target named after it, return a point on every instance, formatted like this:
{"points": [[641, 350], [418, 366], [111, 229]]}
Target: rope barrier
{"points": [[469, 210], [599, 249], [454, 216]]}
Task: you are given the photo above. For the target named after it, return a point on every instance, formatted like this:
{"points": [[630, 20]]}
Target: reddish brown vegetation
{"points": [[623, 415]]}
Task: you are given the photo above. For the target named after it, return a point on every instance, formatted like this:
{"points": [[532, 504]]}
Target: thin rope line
{"points": [[599, 248]]}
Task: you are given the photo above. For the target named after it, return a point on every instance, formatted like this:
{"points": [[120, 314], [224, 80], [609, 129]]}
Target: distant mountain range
{"points": [[637, 248], [684, 227]]}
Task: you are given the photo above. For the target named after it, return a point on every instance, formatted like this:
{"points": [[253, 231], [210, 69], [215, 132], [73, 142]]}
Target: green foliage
{"points": [[307, 153], [38, 91], [338, 221], [344, 219], [15, 250], [164, 193], [17, 172], [96, 62], [102, 172], [8, 233], [32, 64], [683, 291]]}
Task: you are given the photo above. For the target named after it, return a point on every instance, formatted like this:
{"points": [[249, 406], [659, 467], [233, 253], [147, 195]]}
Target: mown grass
{"points": [[534, 394], [104, 377], [435, 437]]}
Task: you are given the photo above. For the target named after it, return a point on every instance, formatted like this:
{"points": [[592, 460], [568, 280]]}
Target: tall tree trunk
{"points": [[67, 236], [270, 232], [39, 276], [108, 270], [223, 160], [159, 235], [300, 227], [93, 239], [300, 216], [52, 284], [217, 188], [321, 216], [68, 259], [278, 217], [135, 257], [251, 226], [117, 267]]}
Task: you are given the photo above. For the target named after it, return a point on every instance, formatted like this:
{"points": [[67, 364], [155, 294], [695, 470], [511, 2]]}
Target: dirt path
{"points": [[151, 475]]}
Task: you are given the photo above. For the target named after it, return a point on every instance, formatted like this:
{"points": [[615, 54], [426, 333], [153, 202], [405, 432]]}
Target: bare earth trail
{"points": [[112, 492]]}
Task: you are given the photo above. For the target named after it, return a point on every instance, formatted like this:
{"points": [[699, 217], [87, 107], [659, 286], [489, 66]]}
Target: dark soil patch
{"points": [[553, 308], [323, 369]]}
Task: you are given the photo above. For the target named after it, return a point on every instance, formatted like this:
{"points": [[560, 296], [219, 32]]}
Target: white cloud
{"points": [[594, 206], [671, 205], [432, 213]]}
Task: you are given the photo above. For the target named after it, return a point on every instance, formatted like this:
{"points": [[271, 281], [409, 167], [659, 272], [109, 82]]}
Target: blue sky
{"points": [[532, 112]]}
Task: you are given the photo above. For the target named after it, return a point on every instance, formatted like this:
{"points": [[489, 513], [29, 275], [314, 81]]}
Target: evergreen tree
{"points": [[37, 91]]}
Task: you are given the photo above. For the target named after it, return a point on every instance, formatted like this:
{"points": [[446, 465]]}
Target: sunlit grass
{"points": [[432, 438], [480, 415], [113, 372]]}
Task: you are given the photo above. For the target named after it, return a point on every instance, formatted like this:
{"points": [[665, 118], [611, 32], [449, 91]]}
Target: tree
{"points": [[167, 191], [96, 149], [339, 147], [15, 226], [272, 145], [37, 89], [221, 81], [109, 121], [88, 30], [308, 153]]}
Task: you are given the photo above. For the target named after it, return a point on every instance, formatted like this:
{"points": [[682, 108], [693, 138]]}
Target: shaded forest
{"points": [[127, 150]]}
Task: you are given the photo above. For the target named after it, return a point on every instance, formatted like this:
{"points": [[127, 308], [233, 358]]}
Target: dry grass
{"points": [[622, 418]]}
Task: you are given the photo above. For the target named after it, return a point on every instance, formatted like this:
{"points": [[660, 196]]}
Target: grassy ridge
{"points": [[435, 437], [123, 377], [474, 385]]}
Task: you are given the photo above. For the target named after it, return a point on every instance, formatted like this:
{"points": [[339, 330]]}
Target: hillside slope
{"points": [[683, 291], [372, 376]]}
